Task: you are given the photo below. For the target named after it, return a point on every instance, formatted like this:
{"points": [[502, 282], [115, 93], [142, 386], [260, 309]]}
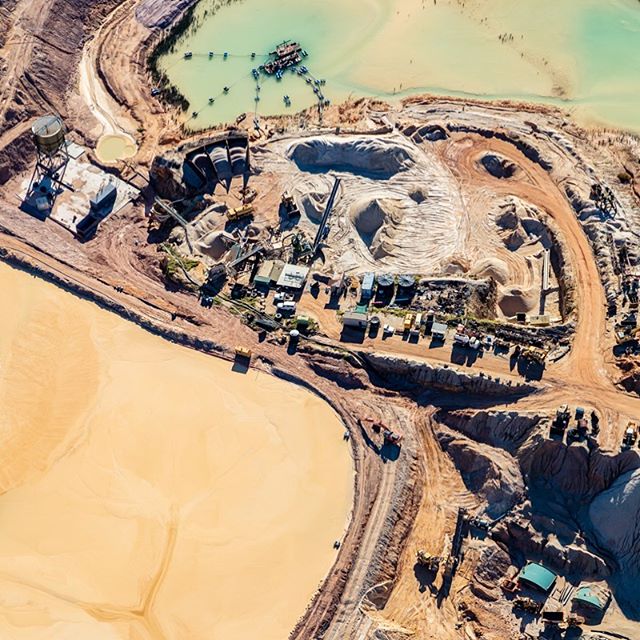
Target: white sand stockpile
{"points": [[521, 223], [399, 208], [215, 244], [377, 156], [147, 491], [377, 222]]}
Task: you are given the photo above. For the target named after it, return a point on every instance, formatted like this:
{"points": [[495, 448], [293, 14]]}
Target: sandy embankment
{"points": [[147, 491]]}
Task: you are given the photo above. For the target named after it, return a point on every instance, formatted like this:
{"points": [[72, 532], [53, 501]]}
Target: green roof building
{"points": [[592, 597], [536, 576]]}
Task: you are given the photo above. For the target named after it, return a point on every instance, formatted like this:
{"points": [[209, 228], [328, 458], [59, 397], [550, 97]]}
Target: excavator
{"points": [[390, 437]]}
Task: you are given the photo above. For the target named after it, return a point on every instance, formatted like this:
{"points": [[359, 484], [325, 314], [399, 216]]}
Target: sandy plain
{"points": [[148, 491]]}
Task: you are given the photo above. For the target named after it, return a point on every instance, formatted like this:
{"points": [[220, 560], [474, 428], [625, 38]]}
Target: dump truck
{"points": [[426, 560], [408, 321], [245, 211]]}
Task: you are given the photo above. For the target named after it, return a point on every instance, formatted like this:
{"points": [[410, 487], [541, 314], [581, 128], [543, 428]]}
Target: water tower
{"points": [[49, 138]]}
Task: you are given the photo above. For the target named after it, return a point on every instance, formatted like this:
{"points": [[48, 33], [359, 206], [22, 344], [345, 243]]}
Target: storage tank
{"points": [[48, 133], [386, 280], [406, 281]]}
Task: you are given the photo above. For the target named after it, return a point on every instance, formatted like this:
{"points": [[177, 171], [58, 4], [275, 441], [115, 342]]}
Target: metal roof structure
{"points": [[263, 277], [368, 280], [537, 576], [592, 596], [293, 276], [439, 329], [355, 319]]}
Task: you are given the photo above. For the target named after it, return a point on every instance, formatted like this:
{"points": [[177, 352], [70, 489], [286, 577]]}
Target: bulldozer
{"points": [[424, 559]]}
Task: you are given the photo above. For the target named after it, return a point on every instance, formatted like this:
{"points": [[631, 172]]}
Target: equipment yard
{"points": [[457, 279]]}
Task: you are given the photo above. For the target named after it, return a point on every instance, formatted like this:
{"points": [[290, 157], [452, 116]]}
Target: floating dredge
{"points": [[288, 54]]}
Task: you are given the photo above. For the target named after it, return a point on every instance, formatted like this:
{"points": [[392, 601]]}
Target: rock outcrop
{"points": [[615, 519], [491, 474], [573, 473], [420, 376], [504, 429]]}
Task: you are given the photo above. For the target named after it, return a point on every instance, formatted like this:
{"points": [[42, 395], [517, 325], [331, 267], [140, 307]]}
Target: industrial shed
{"points": [[536, 576]]}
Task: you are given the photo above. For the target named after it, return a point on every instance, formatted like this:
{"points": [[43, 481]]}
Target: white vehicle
{"points": [[461, 339], [288, 306], [474, 343]]}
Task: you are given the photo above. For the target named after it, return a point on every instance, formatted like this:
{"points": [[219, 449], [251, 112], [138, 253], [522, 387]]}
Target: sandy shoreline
{"points": [[146, 517]]}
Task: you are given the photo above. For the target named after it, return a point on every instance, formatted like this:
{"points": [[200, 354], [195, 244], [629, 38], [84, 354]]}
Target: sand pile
{"points": [[491, 474], [515, 300], [365, 156], [205, 234], [311, 192], [215, 244], [372, 219], [519, 223], [313, 205]]}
